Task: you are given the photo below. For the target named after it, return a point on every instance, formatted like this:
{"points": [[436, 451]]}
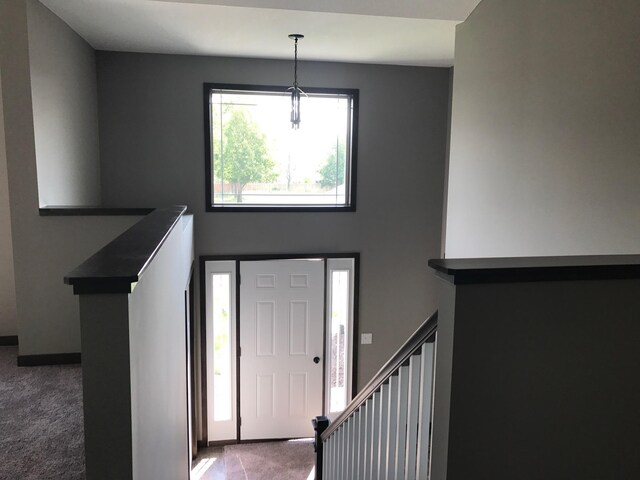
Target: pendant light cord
{"points": [[295, 65]]}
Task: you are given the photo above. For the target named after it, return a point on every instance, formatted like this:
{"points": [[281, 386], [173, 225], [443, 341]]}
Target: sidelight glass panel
{"points": [[339, 339], [222, 381]]}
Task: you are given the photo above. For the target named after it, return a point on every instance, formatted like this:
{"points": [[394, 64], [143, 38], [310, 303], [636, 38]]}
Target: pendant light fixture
{"points": [[295, 90]]}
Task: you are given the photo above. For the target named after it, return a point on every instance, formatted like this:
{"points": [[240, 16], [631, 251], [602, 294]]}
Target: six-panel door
{"points": [[281, 333]]}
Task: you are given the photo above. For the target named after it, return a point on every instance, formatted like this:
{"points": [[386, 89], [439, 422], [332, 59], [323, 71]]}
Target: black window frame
{"points": [[354, 93]]}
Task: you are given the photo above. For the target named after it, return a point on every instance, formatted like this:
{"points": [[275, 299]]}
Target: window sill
{"points": [[270, 209]]}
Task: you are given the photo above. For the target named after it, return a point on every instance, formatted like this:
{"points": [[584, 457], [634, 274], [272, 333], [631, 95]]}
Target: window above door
{"points": [[255, 160]]}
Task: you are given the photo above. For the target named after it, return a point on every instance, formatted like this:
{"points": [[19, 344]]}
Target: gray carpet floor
{"points": [[41, 433], [41, 422]]}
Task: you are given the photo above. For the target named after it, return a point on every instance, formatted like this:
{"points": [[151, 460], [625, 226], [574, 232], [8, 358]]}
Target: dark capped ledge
{"points": [[537, 269], [67, 211], [119, 264]]}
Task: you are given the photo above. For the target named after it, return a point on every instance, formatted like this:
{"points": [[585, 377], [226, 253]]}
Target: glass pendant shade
{"points": [[295, 90]]}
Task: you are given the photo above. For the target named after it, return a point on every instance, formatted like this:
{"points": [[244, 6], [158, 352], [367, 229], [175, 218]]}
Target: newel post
{"points": [[320, 424]]}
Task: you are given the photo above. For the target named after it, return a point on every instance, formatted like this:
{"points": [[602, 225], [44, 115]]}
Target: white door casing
{"points": [[281, 332]]}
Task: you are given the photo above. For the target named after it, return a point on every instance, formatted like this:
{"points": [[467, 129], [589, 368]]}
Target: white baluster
{"points": [[353, 473], [368, 452], [426, 401], [336, 455], [362, 442], [412, 420], [403, 403], [375, 438], [384, 431], [392, 429], [328, 453], [341, 453], [349, 449]]}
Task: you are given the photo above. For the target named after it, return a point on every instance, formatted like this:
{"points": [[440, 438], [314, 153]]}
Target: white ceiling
{"points": [[400, 32]]}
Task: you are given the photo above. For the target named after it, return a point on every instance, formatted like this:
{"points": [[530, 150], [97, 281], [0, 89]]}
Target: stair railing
{"points": [[385, 432]]}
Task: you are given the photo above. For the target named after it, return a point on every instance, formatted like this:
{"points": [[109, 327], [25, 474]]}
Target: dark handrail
{"points": [[411, 346]]}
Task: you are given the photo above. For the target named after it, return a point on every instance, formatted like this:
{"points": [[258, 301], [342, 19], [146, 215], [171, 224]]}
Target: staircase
{"points": [[385, 432]]}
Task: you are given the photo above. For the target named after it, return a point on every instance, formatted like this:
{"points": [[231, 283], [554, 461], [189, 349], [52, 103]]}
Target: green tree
{"points": [[332, 172], [243, 156]]}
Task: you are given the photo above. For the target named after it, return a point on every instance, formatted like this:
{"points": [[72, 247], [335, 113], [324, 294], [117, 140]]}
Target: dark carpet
{"points": [[41, 433], [41, 422]]}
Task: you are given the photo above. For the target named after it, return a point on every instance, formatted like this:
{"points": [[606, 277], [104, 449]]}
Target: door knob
{"points": [[316, 359]]}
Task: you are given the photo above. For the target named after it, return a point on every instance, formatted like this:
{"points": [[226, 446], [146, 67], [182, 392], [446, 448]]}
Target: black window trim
{"points": [[354, 93]]}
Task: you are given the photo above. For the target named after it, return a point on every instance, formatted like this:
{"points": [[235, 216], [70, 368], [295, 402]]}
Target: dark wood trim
{"points": [[356, 325], [224, 443], [238, 353], [276, 256], [411, 346], [114, 268], [320, 424], [189, 310], [9, 341], [277, 88], [271, 209], [354, 93], [49, 359], [266, 440], [65, 211], [203, 353], [202, 444], [355, 123], [325, 326], [537, 269], [208, 173]]}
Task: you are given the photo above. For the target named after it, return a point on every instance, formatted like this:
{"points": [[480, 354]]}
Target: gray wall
{"points": [[8, 312], [65, 111], [152, 153], [545, 147], [44, 248], [546, 391]]}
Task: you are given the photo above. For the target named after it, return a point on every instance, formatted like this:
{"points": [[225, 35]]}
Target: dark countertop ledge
{"points": [[120, 263], [528, 269], [70, 211]]}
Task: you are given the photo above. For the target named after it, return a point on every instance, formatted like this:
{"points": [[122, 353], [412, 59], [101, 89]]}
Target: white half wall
{"points": [[8, 310], [545, 149], [157, 348]]}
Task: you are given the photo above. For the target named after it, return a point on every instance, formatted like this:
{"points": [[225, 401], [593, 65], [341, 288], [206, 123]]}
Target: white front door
{"points": [[281, 334]]}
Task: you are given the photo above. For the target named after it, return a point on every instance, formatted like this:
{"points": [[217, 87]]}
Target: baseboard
{"points": [[221, 443], [9, 341], [224, 443], [48, 359], [267, 440]]}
